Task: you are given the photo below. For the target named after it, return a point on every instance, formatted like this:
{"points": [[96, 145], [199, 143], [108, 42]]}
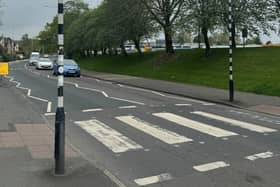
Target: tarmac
{"points": [[253, 102]]}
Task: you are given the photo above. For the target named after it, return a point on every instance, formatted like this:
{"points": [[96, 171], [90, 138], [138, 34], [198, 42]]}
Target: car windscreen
{"points": [[44, 60], [70, 62], [35, 56]]}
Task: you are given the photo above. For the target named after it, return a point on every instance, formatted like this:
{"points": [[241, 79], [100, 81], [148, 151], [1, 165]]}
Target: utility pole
{"points": [[60, 114], [231, 83]]}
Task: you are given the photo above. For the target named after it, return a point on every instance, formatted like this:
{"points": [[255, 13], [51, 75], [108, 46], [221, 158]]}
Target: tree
{"points": [[165, 13], [205, 16], [255, 15]]}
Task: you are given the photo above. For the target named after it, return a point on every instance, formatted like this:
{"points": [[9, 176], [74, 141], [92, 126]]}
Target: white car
{"points": [[44, 63], [34, 57]]}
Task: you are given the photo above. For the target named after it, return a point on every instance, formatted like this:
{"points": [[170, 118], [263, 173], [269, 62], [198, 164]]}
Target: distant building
{"points": [[10, 46]]}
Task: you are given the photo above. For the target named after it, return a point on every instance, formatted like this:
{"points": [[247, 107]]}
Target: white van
{"points": [[34, 57]]}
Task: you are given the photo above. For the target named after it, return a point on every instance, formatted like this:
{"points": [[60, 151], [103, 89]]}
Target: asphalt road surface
{"points": [[146, 138]]}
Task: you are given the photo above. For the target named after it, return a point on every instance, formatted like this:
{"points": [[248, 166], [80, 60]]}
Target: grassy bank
{"points": [[256, 70]]}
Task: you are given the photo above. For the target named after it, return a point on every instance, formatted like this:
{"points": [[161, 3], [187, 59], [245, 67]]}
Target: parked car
{"points": [[44, 63], [71, 68], [34, 57]]}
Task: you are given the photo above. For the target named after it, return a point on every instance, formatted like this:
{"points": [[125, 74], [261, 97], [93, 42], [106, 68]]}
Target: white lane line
{"points": [[49, 108], [129, 101], [39, 99], [93, 110], [109, 137], [153, 179], [244, 125], [201, 127], [209, 104], [260, 156], [183, 105], [127, 107], [164, 135], [49, 114], [211, 166]]}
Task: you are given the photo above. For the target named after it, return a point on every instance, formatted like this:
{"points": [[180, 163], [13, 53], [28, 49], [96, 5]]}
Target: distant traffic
{"points": [[46, 62]]}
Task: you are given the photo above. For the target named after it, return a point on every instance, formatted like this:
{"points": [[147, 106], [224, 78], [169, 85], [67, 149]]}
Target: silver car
{"points": [[44, 63]]}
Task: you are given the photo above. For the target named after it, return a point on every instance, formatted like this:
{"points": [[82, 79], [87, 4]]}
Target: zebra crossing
{"points": [[119, 143]]}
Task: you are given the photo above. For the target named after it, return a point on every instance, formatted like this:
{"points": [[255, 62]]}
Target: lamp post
{"points": [[231, 82], [60, 114]]}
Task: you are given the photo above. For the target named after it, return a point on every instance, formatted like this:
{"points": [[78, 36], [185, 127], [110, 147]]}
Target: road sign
{"points": [[4, 68]]}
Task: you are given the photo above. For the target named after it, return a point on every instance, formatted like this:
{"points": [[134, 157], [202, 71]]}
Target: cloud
{"points": [[28, 16]]}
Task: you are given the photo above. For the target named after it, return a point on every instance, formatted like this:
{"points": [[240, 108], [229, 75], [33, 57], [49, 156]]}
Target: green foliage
{"points": [[255, 69]]}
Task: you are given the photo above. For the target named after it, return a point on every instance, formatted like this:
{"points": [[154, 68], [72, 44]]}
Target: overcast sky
{"points": [[28, 16]]}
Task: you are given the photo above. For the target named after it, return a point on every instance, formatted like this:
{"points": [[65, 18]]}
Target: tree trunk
{"points": [[206, 41], [123, 50], [168, 40], [95, 52], [137, 46], [198, 38]]}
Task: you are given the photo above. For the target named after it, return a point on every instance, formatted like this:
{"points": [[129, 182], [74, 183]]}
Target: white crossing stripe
{"points": [[154, 130], [244, 125], [93, 110], [153, 179], [127, 107], [112, 139], [201, 127], [260, 156], [211, 166]]}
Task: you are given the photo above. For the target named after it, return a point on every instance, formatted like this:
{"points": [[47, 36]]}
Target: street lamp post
{"points": [[60, 114], [231, 83]]}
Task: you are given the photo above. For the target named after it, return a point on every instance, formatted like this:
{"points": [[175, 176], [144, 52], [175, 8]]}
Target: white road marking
{"points": [[260, 156], [153, 179], [29, 92], [201, 127], [49, 114], [130, 101], [164, 135], [109, 137], [209, 104], [211, 166], [49, 108], [39, 99], [244, 125], [93, 110], [127, 107], [182, 104]]}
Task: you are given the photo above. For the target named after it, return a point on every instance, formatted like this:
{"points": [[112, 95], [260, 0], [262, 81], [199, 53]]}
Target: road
{"points": [[147, 138]]}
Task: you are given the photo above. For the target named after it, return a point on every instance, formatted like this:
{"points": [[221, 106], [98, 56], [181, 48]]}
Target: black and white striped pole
{"points": [[60, 114], [231, 82]]}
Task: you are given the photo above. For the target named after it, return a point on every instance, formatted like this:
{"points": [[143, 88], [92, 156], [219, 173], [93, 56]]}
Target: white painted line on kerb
{"points": [[153, 179], [244, 125], [211, 166], [183, 105], [93, 110], [164, 135], [127, 107], [201, 127], [29, 92], [260, 156], [49, 108], [109, 137]]}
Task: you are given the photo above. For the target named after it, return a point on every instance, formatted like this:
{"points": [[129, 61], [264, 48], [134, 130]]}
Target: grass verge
{"points": [[256, 70]]}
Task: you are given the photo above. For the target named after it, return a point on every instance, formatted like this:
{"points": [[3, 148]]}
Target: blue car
{"points": [[71, 68]]}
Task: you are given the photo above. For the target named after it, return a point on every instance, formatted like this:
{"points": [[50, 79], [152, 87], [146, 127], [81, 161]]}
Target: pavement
{"points": [[254, 102], [27, 148], [128, 136]]}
